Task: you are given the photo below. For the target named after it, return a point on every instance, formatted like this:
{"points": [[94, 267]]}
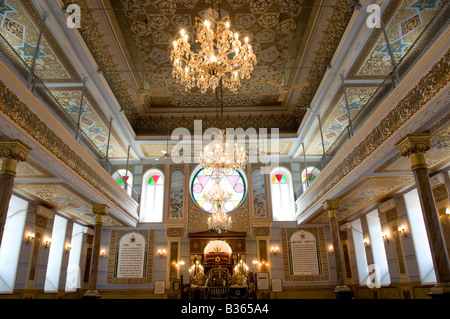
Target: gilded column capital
{"points": [[100, 211], [414, 143], [174, 232], [14, 149], [331, 205]]}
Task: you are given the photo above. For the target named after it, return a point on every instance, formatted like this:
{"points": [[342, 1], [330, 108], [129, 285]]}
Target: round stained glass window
{"points": [[235, 183]]}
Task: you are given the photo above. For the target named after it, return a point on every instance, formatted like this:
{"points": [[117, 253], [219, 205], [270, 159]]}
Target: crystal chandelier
{"points": [[221, 57], [217, 196], [223, 158], [219, 222]]}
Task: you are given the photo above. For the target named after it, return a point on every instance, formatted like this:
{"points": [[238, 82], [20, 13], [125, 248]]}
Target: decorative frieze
{"points": [[428, 86]]}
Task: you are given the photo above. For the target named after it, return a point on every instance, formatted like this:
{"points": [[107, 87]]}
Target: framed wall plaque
{"points": [[262, 281]]}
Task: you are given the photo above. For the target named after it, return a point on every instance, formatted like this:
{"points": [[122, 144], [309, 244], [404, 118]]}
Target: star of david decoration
{"points": [[4, 8], [28, 51], [424, 5], [396, 47]]}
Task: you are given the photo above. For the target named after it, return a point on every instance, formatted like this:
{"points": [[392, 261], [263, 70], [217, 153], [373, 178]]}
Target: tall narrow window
{"points": [[55, 255], [419, 237], [124, 177], [73, 280], [378, 250], [283, 205], [11, 242], [152, 196]]}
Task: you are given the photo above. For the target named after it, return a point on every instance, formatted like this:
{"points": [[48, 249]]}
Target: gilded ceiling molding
{"points": [[14, 149], [99, 50], [286, 122], [21, 114], [333, 36], [428, 86]]}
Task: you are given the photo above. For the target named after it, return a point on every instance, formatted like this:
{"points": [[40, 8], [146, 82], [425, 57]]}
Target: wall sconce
{"points": [[47, 243], [255, 262], [366, 242], [447, 211], [30, 237], [68, 247], [275, 251], [385, 237], [102, 253], [402, 229], [161, 252], [263, 263], [331, 248]]}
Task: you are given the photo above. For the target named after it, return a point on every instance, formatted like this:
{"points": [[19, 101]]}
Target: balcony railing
{"points": [[427, 37], [10, 57]]}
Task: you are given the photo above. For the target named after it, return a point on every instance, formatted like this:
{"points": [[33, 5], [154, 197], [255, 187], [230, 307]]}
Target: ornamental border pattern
{"points": [[427, 87], [96, 46], [116, 235], [14, 108], [319, 233]]}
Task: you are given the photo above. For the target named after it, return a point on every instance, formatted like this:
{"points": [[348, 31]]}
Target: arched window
{"points": [[123, 177], [152, 196], [283, 205], [308, 176]]}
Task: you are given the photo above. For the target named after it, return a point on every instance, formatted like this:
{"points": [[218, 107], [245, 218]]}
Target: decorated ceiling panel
{"points": [[20, 23], [93, 122], [31, 170], [64, 199], [406, 19], [151, 26], [335, 119], [392, 176], [279, 32], [364, 194]]}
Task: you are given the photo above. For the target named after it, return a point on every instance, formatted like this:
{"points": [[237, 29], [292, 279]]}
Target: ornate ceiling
{"points": [[391, 177], [19, 25], [404, 22], [293, 41]]}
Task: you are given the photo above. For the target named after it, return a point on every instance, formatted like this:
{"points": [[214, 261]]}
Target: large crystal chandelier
{"points": [[220, 57], [219, 222], [223, 158], [217, 196]]}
